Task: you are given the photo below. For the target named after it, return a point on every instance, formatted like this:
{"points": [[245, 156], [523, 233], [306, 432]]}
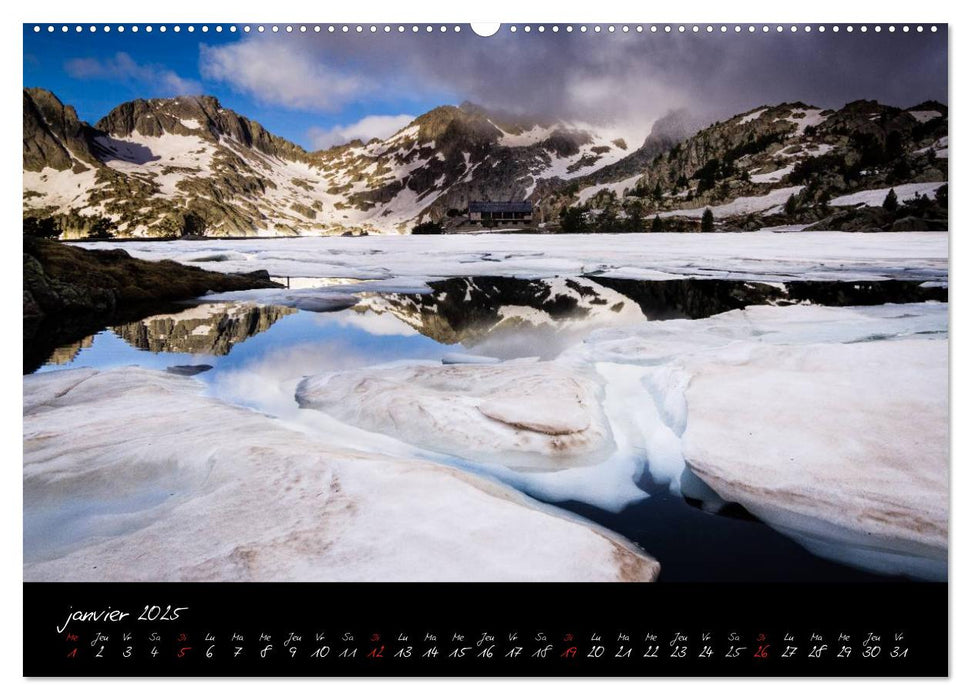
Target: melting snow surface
{"points": [[742, 205], [751, 116], [313, 512], [925, 115], [616, 187], [874, 198], [774, 176]]}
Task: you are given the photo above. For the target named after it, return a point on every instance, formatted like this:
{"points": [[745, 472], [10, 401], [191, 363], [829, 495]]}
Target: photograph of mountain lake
{"points": [[557, 308]]}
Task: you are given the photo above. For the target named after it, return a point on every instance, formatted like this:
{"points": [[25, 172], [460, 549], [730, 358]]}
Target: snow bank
{"points": [[528, 137], [524, 422], [830, 424], [616, 187], [774, 176], [874, 198], [681, 342], [752, 116], [842, 446], [741, 205], [524, 415], [131, 474], [62, 189], [924, 115], [806, 118]]}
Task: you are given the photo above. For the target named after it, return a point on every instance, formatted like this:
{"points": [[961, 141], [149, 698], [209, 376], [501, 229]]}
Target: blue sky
{"points": [[95, 72], [318, 89]]}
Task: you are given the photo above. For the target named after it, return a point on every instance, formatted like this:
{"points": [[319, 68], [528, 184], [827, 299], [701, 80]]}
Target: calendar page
{"points": [[550, 349]]}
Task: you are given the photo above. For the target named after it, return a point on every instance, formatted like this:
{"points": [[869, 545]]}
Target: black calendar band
{"points": [[383, 629]]}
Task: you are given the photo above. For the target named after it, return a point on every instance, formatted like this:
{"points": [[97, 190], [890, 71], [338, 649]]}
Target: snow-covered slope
{"points": [[746, 169], [187, 165]]}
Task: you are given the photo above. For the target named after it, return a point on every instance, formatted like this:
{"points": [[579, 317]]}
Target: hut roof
{"points": [[501, 207]]}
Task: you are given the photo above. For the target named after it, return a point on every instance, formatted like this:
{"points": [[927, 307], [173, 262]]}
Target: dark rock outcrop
{"points": [[54, 137], [60, 278], [70, 292]]}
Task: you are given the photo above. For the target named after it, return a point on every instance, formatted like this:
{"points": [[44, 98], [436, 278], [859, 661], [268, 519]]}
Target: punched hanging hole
{"points": [[485, 29]]}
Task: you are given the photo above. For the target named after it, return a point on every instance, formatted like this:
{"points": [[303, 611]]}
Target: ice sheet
{"points": [[861, 390], [403, 261], [523, 415], [132, 474], [843, 446]]}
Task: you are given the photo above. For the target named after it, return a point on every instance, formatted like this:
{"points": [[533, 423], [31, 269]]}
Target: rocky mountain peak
{"points": [[155, 117], [930, 106], [449, 126], [509, 122], [673, 127], [61, 119], [194, 115], [775, 165], [53, 135]]}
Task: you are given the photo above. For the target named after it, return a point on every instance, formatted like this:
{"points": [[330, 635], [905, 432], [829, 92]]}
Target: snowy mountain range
{"points": [[189, 166], [785, 165]]}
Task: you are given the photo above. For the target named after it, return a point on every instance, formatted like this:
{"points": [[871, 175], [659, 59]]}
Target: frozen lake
{"points": [[380, 316], [406, 261]]}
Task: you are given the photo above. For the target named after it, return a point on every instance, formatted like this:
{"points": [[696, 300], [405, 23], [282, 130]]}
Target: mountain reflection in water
{"points": [[251, 354], [507, 317], [207, 329], [503, 317]]}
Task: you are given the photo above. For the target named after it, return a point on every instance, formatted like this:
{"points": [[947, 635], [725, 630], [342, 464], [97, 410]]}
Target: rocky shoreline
{"points": [[60, 278], [70, 292]]}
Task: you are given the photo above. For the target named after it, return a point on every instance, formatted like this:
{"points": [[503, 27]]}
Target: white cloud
{"points": [[375, 126], [279, 73], [124, 67]]}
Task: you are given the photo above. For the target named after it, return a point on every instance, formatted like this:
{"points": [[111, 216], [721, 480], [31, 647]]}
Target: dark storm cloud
{"points": [[589, 76]]}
